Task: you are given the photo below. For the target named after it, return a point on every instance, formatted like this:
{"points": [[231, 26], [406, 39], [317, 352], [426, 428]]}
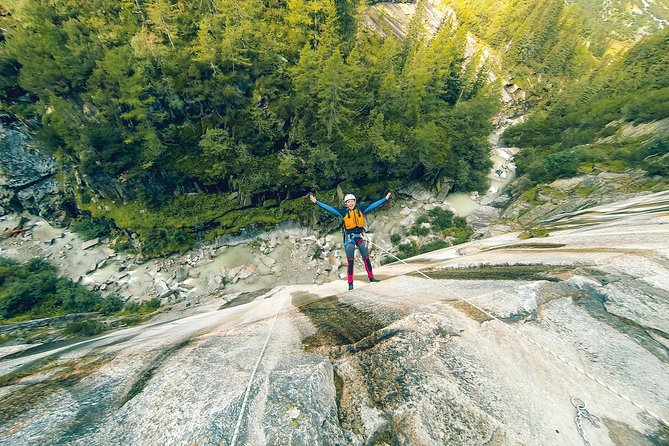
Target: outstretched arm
{"points": [[327, 207], [377, 203]]}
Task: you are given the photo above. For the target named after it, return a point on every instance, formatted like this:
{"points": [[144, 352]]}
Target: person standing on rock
{"points": [[354, 229]]}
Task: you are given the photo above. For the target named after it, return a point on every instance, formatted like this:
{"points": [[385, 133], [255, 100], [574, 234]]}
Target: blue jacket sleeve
{"points": [[374, 205], [329, 208]]}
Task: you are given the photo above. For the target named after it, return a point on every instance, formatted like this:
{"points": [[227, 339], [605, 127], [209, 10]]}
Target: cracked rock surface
{"points": [[488, 349]]}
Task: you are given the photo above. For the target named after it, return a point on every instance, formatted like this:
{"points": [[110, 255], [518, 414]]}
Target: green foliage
{"points": [[438, 219], [161, 241], [656, 156], [460, 233], [433, 246], [269, 100], [452, 230], [543, 43], [563, 140], [145, 307], [218, 95], [407, 250], [395, 238], [90, 227], [111, 305], [533, 233], [33, 289], [89, 327], [169, 227]]}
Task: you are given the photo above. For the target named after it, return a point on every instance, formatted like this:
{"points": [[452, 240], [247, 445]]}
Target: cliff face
{"points": [[389, 18], [489, 349], [27, 177], [625, 21]]}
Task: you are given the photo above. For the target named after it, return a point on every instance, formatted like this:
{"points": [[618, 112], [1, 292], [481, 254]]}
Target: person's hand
{"points": [[312, 198], [388, 196]]}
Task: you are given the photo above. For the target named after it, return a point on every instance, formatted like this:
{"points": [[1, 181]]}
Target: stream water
{"points": [[462, 203], [502, 172]]}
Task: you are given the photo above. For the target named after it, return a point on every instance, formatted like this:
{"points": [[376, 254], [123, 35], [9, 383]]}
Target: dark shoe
{"points": [[374, 280], [350, 286]]}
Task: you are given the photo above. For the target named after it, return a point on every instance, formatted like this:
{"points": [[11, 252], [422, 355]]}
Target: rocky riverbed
{"points": [[289, 255], [489, 348]]}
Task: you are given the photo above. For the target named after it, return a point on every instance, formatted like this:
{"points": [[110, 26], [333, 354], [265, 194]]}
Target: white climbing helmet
{"points": [[349, 197]]}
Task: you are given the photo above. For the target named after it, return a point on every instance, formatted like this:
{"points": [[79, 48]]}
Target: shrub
{"points": [[533, 233], [440, 218], [460, 234], [91, 227], [34, 289], [123, 244], [422, 219], [88, 327], [145, 307], [161, 241], [407, 250], [418, 230], [111, 304], [432, 246]]}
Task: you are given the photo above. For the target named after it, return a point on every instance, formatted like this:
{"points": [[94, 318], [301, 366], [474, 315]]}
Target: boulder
{"points": [[267, 261], [167, 294], [232, 274], [417, 192], [482, 217], [90, 243], [500, 201], [181, 274]]}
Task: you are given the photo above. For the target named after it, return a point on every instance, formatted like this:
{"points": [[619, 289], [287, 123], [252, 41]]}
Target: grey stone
{"points": [[90, 243], [482, 217], [417, 192], [19, 165], [501, 201], [232, 274], [167, 294], [267, 261], [181, 274]]}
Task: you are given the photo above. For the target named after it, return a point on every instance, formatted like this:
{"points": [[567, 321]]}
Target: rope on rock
{"points": [[233, 442], [527, 338]]}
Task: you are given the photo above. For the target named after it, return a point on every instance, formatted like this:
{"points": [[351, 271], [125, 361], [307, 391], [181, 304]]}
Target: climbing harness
{"points": [[527, 338], [354, 238], [233, 442], [582, 412]]}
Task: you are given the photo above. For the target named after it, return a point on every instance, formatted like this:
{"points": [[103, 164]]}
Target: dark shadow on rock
{"points": [[146, 374], [337, 323], [244, 298], [529, 272]]}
